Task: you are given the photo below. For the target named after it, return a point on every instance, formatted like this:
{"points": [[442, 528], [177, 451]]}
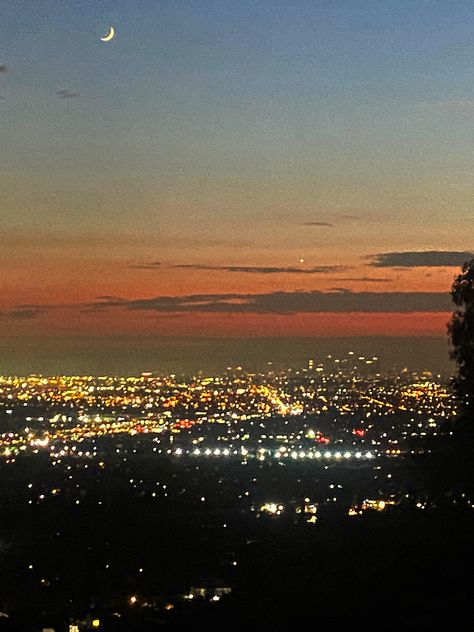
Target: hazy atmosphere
{"points": [[230, 170]]}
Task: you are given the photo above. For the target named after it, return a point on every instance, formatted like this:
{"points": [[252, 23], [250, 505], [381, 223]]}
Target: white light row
{"points": [[339, 456]]}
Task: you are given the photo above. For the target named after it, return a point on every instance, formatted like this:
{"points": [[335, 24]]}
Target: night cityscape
{"points": [[135, 501], [236, 315]]}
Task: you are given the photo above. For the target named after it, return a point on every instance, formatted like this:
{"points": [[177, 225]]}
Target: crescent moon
{"points": [[110, 36]]}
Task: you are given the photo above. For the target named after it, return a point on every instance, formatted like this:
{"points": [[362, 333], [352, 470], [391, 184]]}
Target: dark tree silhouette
{"points": [[461, 331]]}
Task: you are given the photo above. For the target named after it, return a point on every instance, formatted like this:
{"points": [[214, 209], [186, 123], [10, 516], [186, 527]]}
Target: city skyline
{"points": [[232, 171]]}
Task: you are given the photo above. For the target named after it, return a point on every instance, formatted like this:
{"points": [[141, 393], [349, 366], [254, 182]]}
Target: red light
{"points": [[183, 424], [322, 439]]}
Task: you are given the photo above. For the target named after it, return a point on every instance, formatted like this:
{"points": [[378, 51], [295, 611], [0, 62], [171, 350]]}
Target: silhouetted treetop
{"points": [[461, 330]]}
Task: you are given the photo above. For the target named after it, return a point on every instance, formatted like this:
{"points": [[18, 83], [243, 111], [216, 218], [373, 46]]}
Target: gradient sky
{"points": [[232, 169]]}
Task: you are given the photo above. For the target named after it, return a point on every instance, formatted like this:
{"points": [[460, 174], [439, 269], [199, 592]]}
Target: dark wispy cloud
{"points": [[262, 269], [66, 94], [101, 303], [153, 265], [341, 300], [3, 69], [366, 279], [22, 312], [428, 258]]}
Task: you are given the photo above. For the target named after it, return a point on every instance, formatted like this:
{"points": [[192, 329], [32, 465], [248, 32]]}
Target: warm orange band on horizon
{"points": [[134, 322]]}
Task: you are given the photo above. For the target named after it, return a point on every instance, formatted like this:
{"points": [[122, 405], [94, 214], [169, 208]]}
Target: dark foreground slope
{"points": [[107, 536], [407, 567]]}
